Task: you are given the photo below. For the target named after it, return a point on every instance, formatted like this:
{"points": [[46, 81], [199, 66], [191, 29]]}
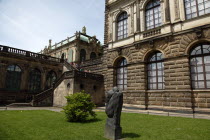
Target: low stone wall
{"points": [[92, 84], [65, 88]]}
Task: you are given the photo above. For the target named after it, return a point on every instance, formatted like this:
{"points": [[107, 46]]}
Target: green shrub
{"points": [[79, 107]]}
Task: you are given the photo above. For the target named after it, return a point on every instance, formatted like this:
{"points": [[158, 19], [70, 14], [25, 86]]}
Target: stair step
{"points": [[19, 105]]}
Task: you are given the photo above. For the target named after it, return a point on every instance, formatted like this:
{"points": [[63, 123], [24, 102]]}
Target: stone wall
{"points": [[26, 63], [65, 88], [178, 91], [93, 87], [92, 84]]}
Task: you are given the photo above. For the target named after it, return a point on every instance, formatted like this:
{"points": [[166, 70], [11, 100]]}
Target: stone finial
{"points": [[84, 30], [50, 42]]}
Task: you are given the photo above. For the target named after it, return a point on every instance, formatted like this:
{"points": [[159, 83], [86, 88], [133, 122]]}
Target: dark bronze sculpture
{"points": [[114, 102]]}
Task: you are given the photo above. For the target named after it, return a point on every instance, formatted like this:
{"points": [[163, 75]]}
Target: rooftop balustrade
{"points": [[25, 53]]}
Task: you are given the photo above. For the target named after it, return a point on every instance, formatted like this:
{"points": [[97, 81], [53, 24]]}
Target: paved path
{"points": [[126, 108]]}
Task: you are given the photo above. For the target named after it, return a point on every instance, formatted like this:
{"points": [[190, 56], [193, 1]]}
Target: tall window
{"points": [[153, 14], [13, 77], [122, 26], [195, 8], [121, 77], [51, 77], [35, 80], [70, 57], [92, 55], [156, 71], [82, 55], [200, 66]]}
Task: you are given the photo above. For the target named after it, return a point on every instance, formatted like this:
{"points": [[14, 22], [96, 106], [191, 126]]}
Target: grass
{"points": [[48, 125]]}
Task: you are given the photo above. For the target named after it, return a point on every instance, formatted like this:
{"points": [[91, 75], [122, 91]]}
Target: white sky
{"points": [[29, 24]]}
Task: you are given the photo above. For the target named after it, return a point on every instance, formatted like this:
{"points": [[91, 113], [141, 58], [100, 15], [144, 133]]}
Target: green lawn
{"points": [[48, 125]]}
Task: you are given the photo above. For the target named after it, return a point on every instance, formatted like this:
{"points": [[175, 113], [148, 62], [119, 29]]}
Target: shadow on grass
{"points": [[130, 135], [89, 121]]}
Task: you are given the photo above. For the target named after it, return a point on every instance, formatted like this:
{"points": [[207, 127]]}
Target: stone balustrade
{"points": [[152, 32], [25, 53]]}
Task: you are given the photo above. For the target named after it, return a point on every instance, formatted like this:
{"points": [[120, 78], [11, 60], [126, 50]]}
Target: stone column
{"points": [[176, 9], [167, 11], [3, 72], [132, 18], [25, 78], [43, 78], [142, 19], [137, 16], [114, 32]]}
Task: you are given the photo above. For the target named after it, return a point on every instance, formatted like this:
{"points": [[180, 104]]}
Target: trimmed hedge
{"points": [[79, 107]]}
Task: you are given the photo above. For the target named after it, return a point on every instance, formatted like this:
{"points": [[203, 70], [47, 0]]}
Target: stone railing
{"points": [[69, 74], [97, 77], [91, 62], [41, 96], [69, 66], [20, 52], [152, 32]]}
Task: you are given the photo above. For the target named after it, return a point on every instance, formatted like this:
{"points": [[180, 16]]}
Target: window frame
{"points": [[197, 10], [124, 66], [50, 79], [153, 13], [83, 55], [149, 63], [204, 73], [33, 83], [16, 76], [93, 55], [123, 26]]}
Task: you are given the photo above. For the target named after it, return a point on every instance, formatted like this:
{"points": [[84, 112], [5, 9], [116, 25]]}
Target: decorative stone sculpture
{"points": [[84, 30], [114, 102]]}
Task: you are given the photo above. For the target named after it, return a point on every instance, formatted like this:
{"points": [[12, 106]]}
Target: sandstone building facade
{"points": [[77, 48], [24, 74], [59, 70], [158, 52]]}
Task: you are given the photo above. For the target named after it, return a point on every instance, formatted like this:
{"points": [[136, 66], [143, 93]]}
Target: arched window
{"points": [[121, 74], [156, 71], [35, 80], [122, 26], [13, 77], [153, 14], [195, 8], [63, 56], [82, 55], [92, 55], [51, 77], [200, 66]]}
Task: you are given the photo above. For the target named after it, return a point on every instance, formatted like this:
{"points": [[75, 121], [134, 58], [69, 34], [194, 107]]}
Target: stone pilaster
{"points": [[3, 69]]}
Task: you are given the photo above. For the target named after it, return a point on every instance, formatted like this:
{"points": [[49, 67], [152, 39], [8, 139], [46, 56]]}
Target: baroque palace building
{"points": [[45, 78], [158, 52]]}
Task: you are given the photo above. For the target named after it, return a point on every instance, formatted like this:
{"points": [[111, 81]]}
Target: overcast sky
{"points": [[29, 24]]}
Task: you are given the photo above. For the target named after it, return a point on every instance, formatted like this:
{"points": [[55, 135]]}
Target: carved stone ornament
{"points": [[151, 43], [137, 46], [119, 51], [169, 39], [199, 33]]}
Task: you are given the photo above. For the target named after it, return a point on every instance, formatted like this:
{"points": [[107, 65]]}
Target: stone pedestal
{"points": [[112, 132]]}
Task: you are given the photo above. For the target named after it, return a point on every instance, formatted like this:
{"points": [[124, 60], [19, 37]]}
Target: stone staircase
{"points": [[45, 98]]}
